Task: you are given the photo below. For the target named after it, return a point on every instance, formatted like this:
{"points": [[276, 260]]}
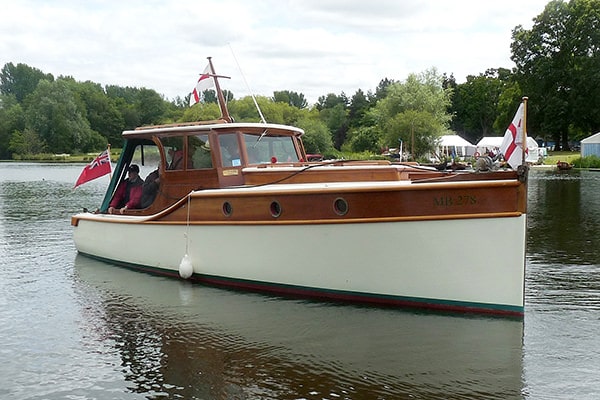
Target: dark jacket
{"points": [[150, 189], [128, 194]]}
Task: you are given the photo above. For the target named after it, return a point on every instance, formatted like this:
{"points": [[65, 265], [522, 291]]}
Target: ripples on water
{"points": [[77, 328], [563, 286]]}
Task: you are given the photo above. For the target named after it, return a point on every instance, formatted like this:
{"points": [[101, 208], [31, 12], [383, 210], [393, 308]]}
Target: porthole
{"points": [[340, 206], [227, 209], [275, 209]]}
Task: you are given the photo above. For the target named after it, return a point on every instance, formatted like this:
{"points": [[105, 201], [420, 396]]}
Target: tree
{"points": [[359, 105], [475, 104], [414, 111], [331, 100], [316, 139], [210, 96], [26, 143], [244, 109], [54, 115], [557, 65], [364, 139], [151, 106], [12, 119], [381, 90], [100, 110], [20, 80], [201, 112], [291, 98], [336, 119]]}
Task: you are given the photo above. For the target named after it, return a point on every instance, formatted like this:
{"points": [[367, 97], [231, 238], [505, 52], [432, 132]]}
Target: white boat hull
{"points": [[454, 264]]}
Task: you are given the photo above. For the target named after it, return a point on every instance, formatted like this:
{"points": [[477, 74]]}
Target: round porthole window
{"points": [[275, 209], [340, 206], [227, 209]]}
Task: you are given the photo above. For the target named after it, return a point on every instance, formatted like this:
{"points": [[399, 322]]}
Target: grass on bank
{"points": [[573, 158], [556, 156]]}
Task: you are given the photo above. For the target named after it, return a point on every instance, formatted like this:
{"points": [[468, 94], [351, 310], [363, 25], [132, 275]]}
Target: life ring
{"points": [[476, 155]]}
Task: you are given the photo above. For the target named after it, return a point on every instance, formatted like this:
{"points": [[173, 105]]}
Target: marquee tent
{"points": [[454, 145], [494, 142]]}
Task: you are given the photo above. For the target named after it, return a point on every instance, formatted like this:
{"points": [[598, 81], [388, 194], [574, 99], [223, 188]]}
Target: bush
{"points": [[587, 162]]}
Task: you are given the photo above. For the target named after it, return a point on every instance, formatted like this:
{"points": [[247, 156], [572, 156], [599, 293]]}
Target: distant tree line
{"points": [[557, 63]]}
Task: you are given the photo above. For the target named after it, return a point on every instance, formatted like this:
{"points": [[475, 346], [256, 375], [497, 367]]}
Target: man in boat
{"points": [[129, 192], [176, 159], [150, 188]]}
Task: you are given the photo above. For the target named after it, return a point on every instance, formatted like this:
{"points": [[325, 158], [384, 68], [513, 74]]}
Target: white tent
{"points": [[591, 145], [489, 143], [455, 145], [493, 143]]}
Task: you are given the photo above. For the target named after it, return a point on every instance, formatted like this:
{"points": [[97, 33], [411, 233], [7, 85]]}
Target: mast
{"points": [[524, 138], [222, 105]]}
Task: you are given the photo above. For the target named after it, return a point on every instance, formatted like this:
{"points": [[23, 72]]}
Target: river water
{"points": [[75, 328]]}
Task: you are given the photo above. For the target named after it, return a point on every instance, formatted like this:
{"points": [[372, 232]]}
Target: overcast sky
{"points": [[312, 47]]}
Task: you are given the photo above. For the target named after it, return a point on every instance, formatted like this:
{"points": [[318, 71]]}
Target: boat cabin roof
{"points": [[178, 129]]}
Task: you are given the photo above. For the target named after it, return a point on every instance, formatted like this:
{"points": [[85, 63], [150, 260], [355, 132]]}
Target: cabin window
{"points": [[199, 151], [270, 149], [230, 150], [174, 151]]}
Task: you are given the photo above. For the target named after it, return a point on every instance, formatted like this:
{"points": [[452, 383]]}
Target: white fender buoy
{"points": [[186, 269]]}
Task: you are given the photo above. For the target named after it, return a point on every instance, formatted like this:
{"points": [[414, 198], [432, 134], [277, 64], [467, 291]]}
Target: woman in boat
{"points": [[129, 192]]}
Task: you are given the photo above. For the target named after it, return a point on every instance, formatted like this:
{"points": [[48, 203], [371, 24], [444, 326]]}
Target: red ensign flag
{"points": [[97, 168]]}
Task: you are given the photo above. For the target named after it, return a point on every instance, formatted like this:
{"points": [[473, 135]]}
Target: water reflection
{"points": [[564, 217], [192, 341], [563, 232]]}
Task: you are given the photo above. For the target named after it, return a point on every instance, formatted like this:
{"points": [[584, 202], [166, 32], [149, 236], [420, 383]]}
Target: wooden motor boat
{"points": [[244, 208]]}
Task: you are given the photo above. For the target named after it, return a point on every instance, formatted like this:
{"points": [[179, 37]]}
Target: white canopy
{"points": [[494, 142], [454, 140], [454, 144], [489, 142]]}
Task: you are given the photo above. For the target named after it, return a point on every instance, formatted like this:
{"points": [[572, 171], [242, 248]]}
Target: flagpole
{"points": [[524, 145], [109, 162], [222, 105]]}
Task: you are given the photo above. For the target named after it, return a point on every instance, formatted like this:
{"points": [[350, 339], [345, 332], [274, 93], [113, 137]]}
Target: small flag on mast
{"points": [[100, 166], [204, 82], [515, 139]]}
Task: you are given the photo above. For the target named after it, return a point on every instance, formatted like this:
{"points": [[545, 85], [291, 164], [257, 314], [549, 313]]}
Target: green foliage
{"points": [[475, 105], [331, 100], [592, 161], [359, 106], [316, 139], [336, 119], [100, 110], [151, 106], [364, 139], [557, 66], [20, 80], [414, 112], [244, 109], [290, 98], [26, 143], [12, 119], [55, 115], [508, 103], [201, 112]]}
